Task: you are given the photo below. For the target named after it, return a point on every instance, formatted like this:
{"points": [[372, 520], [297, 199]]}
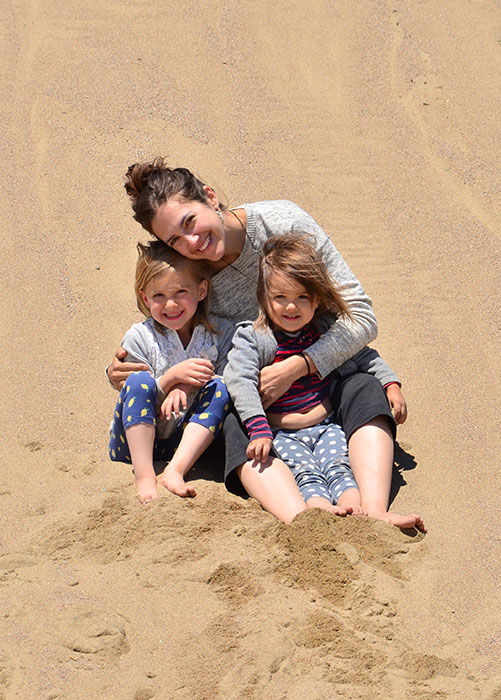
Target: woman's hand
{"points": [[397, 402], [175, 401], [259, 449], [119, 370], [276, 379]]}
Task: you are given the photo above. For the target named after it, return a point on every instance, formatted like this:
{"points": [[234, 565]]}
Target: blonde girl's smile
{"points": [[172, 298]]}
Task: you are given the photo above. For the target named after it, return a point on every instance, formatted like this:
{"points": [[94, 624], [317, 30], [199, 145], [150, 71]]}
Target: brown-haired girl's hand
{"points": [[259, 449], [119, 370], [397, 402]]}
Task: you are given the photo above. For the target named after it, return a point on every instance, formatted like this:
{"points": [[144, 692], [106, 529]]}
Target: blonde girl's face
{"points": [[192, 228], [290, 306], [172, 297]]}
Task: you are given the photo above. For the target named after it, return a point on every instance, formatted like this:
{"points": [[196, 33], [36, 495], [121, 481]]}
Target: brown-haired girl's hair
{"points": [[153, 258], [149, 185], [293, 255]]}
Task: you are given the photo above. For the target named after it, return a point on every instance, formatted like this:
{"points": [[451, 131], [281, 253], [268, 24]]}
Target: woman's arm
{"points": [[346, 336]]}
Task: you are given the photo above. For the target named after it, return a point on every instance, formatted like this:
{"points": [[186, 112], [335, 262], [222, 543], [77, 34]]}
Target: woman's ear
{"points": [[144, 298], [203, 290], [212, 198]]}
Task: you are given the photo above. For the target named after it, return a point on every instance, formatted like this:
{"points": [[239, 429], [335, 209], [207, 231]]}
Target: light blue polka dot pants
{"points": [[318, 458]]}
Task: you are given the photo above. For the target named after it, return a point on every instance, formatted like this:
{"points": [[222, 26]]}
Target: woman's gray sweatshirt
{"points": [[233, 292]]}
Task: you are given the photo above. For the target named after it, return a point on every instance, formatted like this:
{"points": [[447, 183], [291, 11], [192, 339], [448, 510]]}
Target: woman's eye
{"points": [[189, 220], [172, 241]]}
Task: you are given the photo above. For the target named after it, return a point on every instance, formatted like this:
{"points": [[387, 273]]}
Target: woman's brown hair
{"points": [[151, 184], [153, 258], [293, 255]]}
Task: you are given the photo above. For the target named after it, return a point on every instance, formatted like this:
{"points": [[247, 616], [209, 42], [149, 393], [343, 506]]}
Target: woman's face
{"points": [[192, 228]]}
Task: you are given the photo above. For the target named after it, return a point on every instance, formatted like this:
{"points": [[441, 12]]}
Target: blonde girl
{"points": [[174, 410]]}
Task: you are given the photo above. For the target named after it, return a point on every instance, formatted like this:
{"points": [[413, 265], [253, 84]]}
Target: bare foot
{"points": [[350, 501], [324, 504], [402, 521], [146, 489], [174, 482]]}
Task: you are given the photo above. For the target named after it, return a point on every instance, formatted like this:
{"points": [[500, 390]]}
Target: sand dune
{"points": [[381, 120]]}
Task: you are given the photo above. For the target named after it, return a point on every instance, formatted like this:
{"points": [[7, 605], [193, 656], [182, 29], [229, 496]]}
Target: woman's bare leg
{"points": [[371, 460], [273, 486]]}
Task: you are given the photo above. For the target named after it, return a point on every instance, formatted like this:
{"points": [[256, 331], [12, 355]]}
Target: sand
{"points": [[381, 120]]}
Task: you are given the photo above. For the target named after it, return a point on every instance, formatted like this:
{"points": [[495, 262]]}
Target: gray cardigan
{"points": [[233, 290], [254, 349]]}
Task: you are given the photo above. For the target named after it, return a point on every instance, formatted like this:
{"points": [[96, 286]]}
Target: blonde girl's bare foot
{"points": [[146, 490], [175, 483], [324, 504], [402, 521]]}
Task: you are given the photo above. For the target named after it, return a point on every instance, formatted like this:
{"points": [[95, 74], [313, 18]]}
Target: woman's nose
{"points": [[192, 239]]}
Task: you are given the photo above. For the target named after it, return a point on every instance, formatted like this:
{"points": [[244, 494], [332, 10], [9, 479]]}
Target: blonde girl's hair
{"points": [[153, 258], [293, 255]]}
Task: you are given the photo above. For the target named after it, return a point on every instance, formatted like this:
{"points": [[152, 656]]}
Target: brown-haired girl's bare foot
{"points": [[324, 504], [175, 483], [402, 521], [351, 503]]}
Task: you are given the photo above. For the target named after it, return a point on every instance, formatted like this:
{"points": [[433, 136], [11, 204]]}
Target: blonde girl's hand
{"points": [[175, 402], [196, 371], [397, 402], [119, 370], [259, 449]]}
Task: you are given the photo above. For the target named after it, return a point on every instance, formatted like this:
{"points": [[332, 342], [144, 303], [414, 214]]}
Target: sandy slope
{"points": [[380, 119]]}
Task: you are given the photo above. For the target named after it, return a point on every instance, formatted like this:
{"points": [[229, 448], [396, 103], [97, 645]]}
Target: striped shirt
{"points": [[305, 393]]}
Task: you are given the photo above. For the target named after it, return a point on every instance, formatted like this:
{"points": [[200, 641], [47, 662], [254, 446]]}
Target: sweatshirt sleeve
{"points": [[137, 346], [370, 361], [346, 336], [242, 374]]}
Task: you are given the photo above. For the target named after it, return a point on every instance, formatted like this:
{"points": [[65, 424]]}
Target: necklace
{"points": [[228, 263]]}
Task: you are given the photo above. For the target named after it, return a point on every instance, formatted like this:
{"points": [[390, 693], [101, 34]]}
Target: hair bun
{"points": [[138, 174]]}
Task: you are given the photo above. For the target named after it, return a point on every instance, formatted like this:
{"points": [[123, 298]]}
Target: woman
{"points": [[178, 209]]}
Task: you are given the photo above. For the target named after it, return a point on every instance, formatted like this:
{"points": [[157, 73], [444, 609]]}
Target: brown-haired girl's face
{"points": [[290, 306], [192, 228]]}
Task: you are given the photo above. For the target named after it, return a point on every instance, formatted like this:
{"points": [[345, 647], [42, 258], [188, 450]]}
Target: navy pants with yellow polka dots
{"points": [[137, 404]]}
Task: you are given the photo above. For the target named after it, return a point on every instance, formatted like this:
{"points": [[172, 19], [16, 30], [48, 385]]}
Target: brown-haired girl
{"points": [[174, 409], [187, 215], [295, 294]]}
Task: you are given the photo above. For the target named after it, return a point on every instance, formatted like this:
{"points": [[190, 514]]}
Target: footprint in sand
{"points": [[87, 630]]}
